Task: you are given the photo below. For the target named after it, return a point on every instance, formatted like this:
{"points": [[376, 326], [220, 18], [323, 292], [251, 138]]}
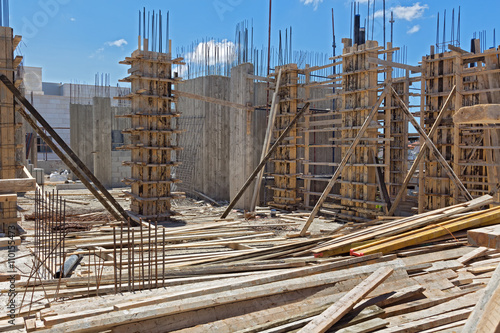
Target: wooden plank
{"points": [[486, 314], [8, 197], [334, 313], [430, 322], [414, 306], [17, 185], [476, 253], [12, 324], [365, 327], [465, 301]]}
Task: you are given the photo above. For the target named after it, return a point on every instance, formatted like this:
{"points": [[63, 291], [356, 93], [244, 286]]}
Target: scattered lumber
{"points": [[344, 244], [335, 312], [231, 276]]}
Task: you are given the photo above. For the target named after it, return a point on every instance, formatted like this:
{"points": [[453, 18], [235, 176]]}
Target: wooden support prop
{"points": [[381, 182], [343, 163], [213, 100], [264, 161], [335, 312], [436, 152], [71, 160], [267, 142], [421, 153]]}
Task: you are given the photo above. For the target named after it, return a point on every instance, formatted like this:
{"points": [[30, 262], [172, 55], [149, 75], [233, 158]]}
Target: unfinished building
{"points": [[312, 217]]}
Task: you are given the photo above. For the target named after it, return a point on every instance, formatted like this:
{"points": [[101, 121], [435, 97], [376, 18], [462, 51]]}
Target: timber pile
{"points": [[232, 277], [416, 292]]}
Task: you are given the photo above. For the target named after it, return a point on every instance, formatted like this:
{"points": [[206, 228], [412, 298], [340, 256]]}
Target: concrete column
{"points": [[242, 157], [82, 133], [103, 114]]}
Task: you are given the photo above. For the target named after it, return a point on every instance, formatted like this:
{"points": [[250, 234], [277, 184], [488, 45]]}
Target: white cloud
{"points": [[97, 53], [315, 3], [415, 28], [225, 51], [72, 19], [408, 13], [117, 43], [210, 53]]}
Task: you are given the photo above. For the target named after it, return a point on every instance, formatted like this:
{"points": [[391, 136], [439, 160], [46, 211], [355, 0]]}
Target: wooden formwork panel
{"points": [[285, 187], [358, 189], [471, 149], [8, 164]]}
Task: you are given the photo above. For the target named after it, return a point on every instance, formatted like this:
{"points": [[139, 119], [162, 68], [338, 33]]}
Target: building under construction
{"points": [[272, 191]]}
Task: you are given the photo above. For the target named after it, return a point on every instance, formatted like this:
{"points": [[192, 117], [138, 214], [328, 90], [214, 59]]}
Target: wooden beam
{"points": [[335, 312], [458, 49], [8, 197], [17, 185], [480, 251], [394, 64], [421, 153], [487, 237], [344, 161]]}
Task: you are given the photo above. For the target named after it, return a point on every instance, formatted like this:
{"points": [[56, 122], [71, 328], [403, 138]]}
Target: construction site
{"points": [[226, 187]]}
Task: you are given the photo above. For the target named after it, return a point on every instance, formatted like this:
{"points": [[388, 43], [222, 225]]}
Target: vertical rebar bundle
{"points": [[50, 232]]}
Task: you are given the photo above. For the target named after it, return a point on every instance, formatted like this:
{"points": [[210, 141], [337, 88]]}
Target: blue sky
{"points": [[74, 39]]}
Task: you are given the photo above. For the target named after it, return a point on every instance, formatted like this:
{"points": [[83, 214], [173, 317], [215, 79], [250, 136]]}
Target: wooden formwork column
{"points": [[8, 162], [358, 189], [438, 79], [285, 172], [154, 134]]}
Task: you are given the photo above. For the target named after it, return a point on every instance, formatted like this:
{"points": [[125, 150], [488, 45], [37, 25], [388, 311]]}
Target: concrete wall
{"points": [[91, 139], [223, 145], [118, 170], [205, 156]]}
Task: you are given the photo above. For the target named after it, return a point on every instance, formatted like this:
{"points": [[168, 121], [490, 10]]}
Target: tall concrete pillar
{"points": [[103, 117], [242, 157]]}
